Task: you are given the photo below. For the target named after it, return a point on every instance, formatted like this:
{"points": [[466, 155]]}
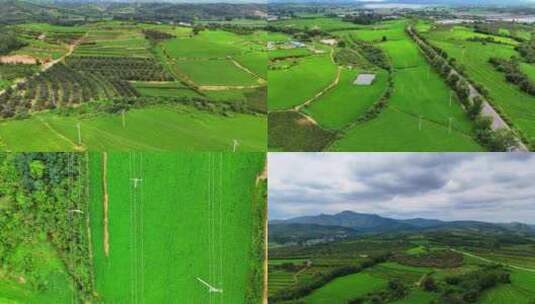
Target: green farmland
{"points": [[409, 106], [164, 80], [117, 227], [148, 257], [473, 56], [399, 269]]}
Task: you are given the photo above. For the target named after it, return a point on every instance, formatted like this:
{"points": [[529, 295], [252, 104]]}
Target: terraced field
{"points": [[144, 254]]}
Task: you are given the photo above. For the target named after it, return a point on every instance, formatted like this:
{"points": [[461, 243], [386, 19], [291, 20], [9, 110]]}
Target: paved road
{"points": [[487, 109]]}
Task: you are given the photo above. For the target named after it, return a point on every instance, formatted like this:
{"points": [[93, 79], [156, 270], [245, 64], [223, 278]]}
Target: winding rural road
{"points": [[50, 64], [487, 110], [491, 261]]}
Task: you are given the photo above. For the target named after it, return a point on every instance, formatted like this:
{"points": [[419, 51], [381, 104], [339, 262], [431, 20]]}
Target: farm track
{"points": [[243, 68], [105, 203], [497, 121], [63, 137], [491, 261], [326, 89]]}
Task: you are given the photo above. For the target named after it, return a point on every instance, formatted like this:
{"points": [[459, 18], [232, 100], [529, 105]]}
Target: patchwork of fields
{"points": [[107, 67], [292, 267], [408, 107]]}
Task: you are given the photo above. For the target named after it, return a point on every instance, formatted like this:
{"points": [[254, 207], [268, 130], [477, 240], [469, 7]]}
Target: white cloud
{"points": [[449, 186]]}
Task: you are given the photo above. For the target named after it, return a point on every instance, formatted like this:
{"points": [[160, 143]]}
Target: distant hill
{"points": [[352, 224], [69, 12], [420, 2], [14, 11]]}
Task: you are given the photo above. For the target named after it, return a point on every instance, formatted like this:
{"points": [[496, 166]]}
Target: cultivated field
{"points": [[516, 106], [144, 208], [402, 269], [165, 79], [408, 107]]}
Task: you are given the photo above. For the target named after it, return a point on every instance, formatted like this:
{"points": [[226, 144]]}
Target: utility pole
{"points": [[420, 123], [449, 125], [451, 97], [236, 144]]}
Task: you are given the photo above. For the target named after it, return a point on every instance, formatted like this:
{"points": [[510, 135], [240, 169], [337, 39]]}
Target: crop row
{"points": [[60, 86], [125, 68]]}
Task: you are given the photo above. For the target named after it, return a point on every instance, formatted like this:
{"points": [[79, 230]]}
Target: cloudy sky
{"points": [[494, 187]]}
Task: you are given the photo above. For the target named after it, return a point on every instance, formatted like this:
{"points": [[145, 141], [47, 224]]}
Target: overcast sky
{"points": [[493, 187]]}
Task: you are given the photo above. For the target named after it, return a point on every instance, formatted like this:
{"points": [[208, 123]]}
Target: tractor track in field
{"points": [[243, 68], [487, 110], [105, 204], [63, 137]]}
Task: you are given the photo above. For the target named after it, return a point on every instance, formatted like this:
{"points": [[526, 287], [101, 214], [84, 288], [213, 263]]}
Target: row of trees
{"points": [[39, 193], [125, 68], [499, 140], [155, 35], [304, 288], [527, 50], [60, 86], [513, 74]]}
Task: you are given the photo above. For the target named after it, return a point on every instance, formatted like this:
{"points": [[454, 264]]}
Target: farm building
{"points": [[364, 79]]}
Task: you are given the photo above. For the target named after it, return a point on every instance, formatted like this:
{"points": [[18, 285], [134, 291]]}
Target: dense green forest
{"points": [[43, 202]]}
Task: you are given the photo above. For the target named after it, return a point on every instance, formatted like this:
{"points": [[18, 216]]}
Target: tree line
{"points": [[494, 140]]}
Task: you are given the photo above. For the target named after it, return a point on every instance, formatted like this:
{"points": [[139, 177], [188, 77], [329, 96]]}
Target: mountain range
{"points": [[350, 224]]}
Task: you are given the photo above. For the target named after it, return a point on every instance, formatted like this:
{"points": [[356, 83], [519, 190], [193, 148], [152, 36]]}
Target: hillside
{"points": [[349, 224]]}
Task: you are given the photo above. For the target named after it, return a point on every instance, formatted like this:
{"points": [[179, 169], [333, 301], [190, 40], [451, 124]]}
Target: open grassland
{"points": [[152, 256], [153, 128], [516, 105]]}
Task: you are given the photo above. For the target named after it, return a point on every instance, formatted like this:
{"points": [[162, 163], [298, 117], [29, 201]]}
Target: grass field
{"points": [[154, 128], [398, 131], [186, 66], [343, 289], [153, 257], [346, 102], [420, 100], [313, 73]]}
